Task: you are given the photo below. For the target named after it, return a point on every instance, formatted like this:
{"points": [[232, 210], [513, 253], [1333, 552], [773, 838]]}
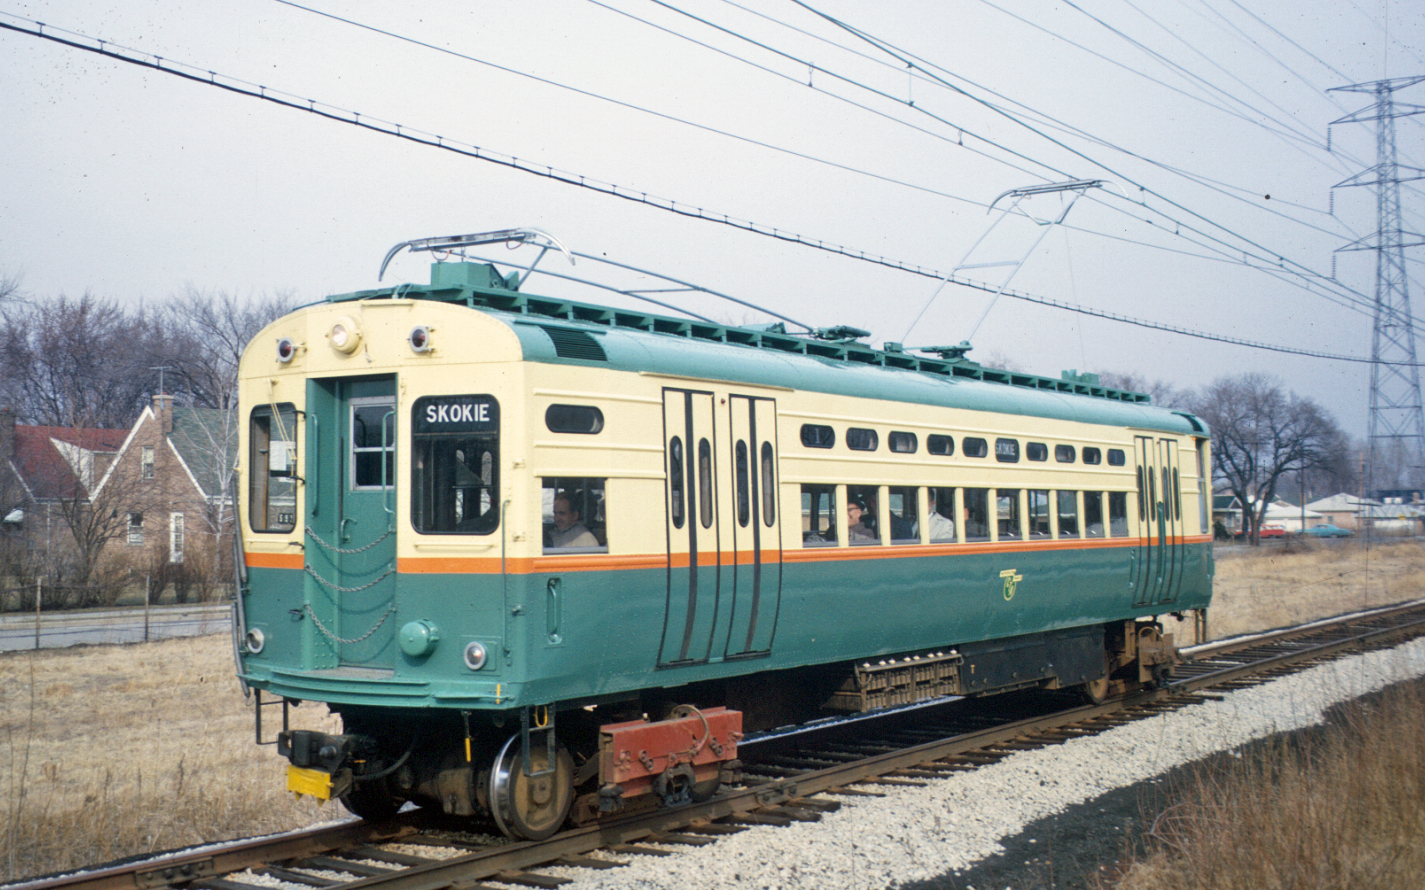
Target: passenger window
{"points": [[272, 463], [903, 443], [1038, 514], [1068, 514], [455, 465], [768, 481], [1142, 497], [1092, 456], [941, 518], [575, 518], [818, 515], [815, 435], [705, 492], [1118, 514], [1064, 454], [977, 513], [1116, 457], [975, 447], [676, 482], [862, 512], [904, 502], [1007, 513], [583, 419], [858, 439], [1093, 514], [744, 484], [1036, 451], [1007, 451], [942, 445]]}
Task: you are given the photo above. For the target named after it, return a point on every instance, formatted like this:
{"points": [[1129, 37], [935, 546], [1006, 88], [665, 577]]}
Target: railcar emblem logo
{"points": [[1011, 583]]}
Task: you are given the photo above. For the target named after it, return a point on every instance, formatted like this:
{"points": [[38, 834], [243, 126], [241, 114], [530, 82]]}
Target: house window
{"points": [[175, 538], [147, 460], [136, 529]]}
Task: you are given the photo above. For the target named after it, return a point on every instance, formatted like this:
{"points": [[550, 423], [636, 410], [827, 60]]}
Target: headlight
{"points": [[475, 656], [345, 335], [254, 641]]}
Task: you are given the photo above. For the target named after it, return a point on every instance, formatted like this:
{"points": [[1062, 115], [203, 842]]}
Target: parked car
{"points": [[1267, 531], [1328, 531]]}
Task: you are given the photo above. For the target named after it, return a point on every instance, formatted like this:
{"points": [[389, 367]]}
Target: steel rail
{"points": [[786, 795]]}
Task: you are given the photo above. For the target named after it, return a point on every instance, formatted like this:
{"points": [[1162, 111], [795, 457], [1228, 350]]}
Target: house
{"points": [[1226, 513], [171, 480], [1290, 516], [1348, 511], [47, 475], [1341, 510]]}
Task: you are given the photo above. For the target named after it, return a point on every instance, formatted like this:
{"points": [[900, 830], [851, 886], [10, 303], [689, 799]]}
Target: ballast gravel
{"points": [[919, 834]]}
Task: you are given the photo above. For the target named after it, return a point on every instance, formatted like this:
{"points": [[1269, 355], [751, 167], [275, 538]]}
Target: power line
{"points": [[208, 77]]}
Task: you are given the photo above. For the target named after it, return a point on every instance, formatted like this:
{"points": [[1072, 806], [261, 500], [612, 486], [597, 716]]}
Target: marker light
{"points": [[475, 656], [255, 641], [420, 339], [285, 350]]}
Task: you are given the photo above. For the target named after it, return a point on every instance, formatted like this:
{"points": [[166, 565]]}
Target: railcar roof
{"points": [[569, 332]]}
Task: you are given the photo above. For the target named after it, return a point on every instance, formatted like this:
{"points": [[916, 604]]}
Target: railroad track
{"points": [[798, 776]]}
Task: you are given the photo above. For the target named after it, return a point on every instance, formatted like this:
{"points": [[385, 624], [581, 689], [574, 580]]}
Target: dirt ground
{"points": [[113, 751]]}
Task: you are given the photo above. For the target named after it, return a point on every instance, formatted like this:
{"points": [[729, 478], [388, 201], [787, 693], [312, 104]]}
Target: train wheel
{"points": [[1096, 691], [531, 807], [371, 801]]}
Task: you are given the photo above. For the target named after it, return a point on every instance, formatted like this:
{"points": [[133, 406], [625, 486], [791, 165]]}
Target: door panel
{"points": [[1159, 553], [756, 527], [694, 527], [350, 533]]}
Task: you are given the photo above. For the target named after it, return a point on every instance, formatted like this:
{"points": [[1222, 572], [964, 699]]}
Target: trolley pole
{"points": [[39, 594]]}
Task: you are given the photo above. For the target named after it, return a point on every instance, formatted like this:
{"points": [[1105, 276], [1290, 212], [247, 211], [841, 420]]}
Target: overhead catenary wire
{"points": [[208, 77]]}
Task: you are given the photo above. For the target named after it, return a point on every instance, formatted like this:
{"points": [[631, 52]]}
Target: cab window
{"points": [[272, 479], [455, 465]]}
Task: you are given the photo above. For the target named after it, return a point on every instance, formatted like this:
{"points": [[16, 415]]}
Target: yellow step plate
{"points": [[309, 781]]}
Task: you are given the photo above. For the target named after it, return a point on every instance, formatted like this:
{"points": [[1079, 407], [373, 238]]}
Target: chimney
{"points": [[7, 434], [163, 407]]}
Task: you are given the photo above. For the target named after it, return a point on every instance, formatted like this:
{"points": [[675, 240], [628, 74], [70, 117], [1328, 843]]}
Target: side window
{"points": [[942, 445], [1064, 454], [744, 484], [1007, 451], [583, 419], [858, 439], [1068, 514], [272, 468], [904, 502], [1038, 514], [903, 443], [941, 517], [1007, 513], [768, 481], [1093, 514], [1118, 514], [575, 514], [1036, 451], [1116, 457], [815, 435], [977, 514], [705, 484], [975, 447], [455, 461], [677, 482], [818, 515], [861, 515], [1092, 456]]}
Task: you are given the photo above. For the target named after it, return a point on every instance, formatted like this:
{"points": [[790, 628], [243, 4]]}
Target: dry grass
{"points": [[112, 751], [1342, 808], [115, 751], [1276, 585]]}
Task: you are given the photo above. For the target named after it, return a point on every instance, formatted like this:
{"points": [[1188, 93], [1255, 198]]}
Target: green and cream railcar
{"points": [[472, 518]]}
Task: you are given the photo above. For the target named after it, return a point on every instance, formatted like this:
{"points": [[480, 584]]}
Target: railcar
{"points": [[545, 556]]}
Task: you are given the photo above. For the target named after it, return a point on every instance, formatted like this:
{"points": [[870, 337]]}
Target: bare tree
{"points": [[1164, 394], [208, 332], [1261, 432]]}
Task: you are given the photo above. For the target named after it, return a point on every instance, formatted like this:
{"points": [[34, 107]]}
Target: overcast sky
{"points": [[887, 128]]}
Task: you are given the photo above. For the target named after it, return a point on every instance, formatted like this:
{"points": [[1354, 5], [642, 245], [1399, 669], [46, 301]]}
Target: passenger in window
{"points": [[568, 530], [977, 514], [939, 523], [857, 532]]}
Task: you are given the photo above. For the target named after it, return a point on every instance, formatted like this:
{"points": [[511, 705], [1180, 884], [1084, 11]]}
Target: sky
{"points": [[887, 129]]}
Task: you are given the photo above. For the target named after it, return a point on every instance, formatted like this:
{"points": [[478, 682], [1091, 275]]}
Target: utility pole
{"points": [[1396, 414]]}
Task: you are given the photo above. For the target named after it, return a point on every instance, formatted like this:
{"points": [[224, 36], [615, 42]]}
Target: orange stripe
{"points": [[274, 560]]}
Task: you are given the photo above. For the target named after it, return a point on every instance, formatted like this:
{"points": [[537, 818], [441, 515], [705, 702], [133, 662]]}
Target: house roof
{"points": [[206, 441], [1338, 503], [52, 460], [1222, 503]]}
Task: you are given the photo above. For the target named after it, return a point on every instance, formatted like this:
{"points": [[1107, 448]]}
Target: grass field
{"points": [[114, 751]]}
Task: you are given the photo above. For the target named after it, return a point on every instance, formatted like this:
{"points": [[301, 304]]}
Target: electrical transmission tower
{"points": [[1396, 416]]}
